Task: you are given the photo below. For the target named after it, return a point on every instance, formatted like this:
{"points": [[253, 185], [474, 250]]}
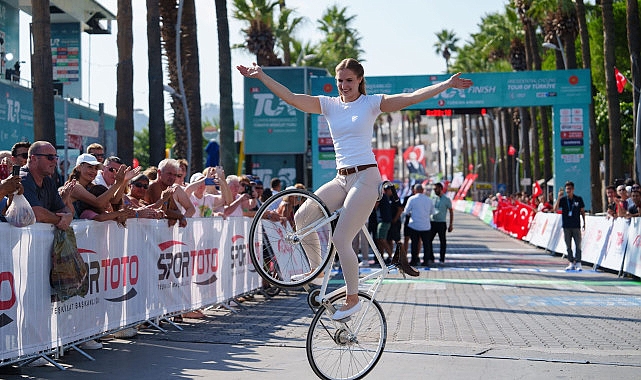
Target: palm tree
{"points": [[446, 45], [155, 78], [191, 80], [612, 97], [228, 154], [125, 76], [595, 166], [42, 69], [285, 30], [341, 40], [260, 38]]}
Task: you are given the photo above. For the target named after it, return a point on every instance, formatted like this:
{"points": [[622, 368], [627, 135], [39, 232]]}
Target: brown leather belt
{"points": [[355, 169]]}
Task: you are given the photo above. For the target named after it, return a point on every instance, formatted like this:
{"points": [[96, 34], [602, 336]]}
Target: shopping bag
{"points": [[69, 275], [20, 213]]}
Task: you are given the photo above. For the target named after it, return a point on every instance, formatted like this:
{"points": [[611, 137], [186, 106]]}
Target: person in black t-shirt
{"points": [[572, 210]]}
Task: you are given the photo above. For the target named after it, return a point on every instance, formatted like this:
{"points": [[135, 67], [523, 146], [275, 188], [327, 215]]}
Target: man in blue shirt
{"points": [[572, 209], [442, 204], [420, 208]]}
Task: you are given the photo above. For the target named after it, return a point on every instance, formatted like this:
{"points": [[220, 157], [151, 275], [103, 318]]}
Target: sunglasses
{"points": [[50, 157], [259, 188], [113, 170], [139, 185], [23, 155], [97, 155]]}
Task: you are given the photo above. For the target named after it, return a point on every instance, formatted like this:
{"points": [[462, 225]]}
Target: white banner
{"points": [[596, 237], [135, 273], [612, 257], [633, 249]]}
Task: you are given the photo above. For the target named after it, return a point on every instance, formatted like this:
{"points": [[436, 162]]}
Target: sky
{"points": [[397, 38]]}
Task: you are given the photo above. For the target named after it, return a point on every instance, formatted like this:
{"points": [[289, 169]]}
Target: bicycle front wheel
{"points": [[290, 238], [347, 350]]}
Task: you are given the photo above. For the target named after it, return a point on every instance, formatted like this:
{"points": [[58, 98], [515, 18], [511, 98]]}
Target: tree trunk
{"points": [[44, 120], [536, 154], [125, 78], [595, 153], [227, 151], [156, 92], [612, 96], [191, 79]]}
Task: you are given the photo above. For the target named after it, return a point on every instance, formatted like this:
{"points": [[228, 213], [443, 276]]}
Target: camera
{"points": [[249, 189], [210, 181], [15, 170]]}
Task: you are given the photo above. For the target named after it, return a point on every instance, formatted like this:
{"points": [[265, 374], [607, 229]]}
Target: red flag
{"points": [[621, 80], [536, 191], [511, 151]]}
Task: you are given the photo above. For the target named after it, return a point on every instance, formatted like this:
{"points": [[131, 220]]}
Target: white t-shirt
{"points": [[205, 206], [351, 126]]}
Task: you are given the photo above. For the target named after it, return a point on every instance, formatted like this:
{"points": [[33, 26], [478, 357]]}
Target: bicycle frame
{"points": [[379, 275]]}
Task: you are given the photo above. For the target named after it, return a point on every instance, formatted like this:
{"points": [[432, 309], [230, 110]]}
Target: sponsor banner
{"points": [[595, 238], [612, 257], [139, 272], [633, 249]]}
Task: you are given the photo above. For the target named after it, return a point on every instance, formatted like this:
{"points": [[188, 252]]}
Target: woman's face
{"points": [[138, 189], [347, 83], [88, 172]]}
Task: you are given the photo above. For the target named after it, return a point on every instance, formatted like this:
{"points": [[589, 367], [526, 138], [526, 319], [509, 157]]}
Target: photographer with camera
{"points": [[243, 195]]}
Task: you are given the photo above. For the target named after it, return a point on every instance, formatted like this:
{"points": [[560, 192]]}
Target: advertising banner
{"points": [[143, 271]]}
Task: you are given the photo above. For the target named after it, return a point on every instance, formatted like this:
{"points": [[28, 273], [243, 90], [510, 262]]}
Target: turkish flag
{"points": [[385, 161], [511, 151], [621, 80], [536, 190]]}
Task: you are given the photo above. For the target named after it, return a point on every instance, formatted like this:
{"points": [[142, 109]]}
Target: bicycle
{"points": [[290, 245]]}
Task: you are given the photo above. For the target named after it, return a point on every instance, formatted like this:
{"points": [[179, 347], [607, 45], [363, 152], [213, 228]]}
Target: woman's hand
{"points": [[250, 72], [461, 83]]}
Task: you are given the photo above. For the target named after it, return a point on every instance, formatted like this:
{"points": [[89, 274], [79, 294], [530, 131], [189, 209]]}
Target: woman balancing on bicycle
{"points": [[351, 117]]}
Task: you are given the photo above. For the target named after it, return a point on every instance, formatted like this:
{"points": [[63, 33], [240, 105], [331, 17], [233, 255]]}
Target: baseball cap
{"points": [[196, 177], [87, 158]]}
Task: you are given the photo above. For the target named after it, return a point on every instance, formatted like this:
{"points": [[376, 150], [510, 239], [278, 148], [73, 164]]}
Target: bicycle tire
{"points": [[333, 353], [276, 249]]}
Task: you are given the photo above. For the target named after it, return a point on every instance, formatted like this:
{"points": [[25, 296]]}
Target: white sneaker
{"points": [[342, 314], [129, 332], [40, 362], [570, 266], [577, 266], [90, 345], [364, 264]]}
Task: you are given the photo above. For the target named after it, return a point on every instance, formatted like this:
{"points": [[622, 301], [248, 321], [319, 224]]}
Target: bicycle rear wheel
{"points": [[289, 239], [347, 350]]}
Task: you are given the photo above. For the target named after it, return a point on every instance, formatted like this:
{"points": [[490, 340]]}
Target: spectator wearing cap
{"points": [[385, 215], [81, 180], [40, 188], [206, 204], [97, 151]]}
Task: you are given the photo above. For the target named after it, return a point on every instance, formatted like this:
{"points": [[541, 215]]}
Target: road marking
{"points": [[610, 301]]}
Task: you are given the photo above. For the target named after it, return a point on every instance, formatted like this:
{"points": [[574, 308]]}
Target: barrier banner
{"points": [[633, 249], [139, 272], [595, 238], [25, 306], [542, 230], [612, 257]]}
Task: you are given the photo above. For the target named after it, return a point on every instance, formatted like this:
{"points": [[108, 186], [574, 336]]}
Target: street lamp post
{"points": [[549, 45]]}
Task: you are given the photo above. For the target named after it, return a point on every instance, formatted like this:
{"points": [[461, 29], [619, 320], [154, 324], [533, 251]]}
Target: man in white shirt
{"points": [[420, 208]]}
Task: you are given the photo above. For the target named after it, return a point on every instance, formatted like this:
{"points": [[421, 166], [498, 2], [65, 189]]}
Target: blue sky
{"points": [[397, 37]]}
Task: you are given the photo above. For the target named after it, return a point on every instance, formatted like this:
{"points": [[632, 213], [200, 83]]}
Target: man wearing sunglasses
{"points": [[20, 153], [40, 188], [97, 151]]}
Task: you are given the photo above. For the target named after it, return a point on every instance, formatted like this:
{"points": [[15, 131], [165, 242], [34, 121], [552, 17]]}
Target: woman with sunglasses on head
{"points": [[351, 117]]}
